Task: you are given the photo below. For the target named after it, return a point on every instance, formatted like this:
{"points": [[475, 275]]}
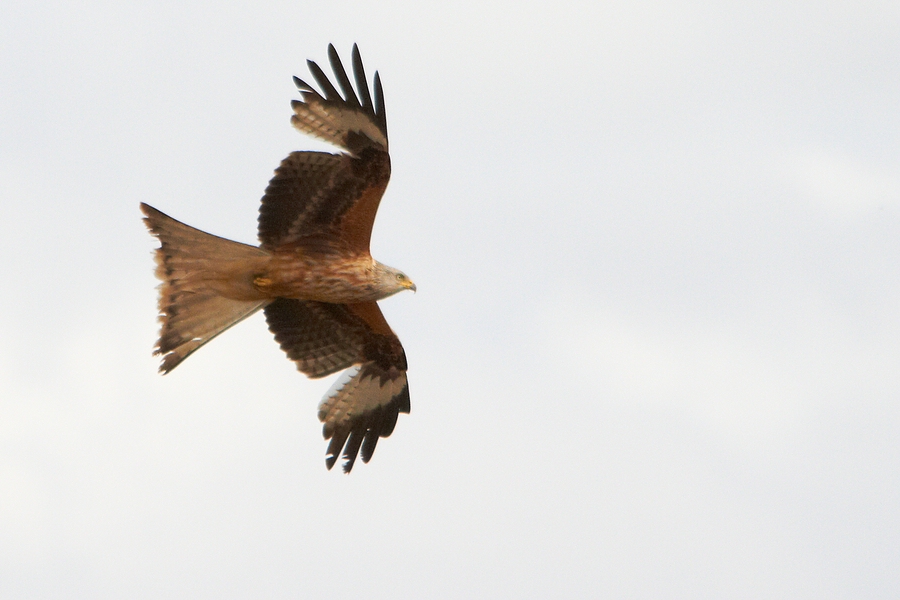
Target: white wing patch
{"points": [[332, 124], [352, 397]]}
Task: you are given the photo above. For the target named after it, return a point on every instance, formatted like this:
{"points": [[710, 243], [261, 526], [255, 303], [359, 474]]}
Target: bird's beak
{"points": [[411, 286]]}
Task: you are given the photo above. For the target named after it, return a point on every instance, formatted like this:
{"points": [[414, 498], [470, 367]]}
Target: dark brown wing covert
{"points": [[321, 338]]}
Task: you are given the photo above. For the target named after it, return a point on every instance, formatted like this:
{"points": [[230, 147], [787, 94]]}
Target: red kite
{"points": [[312, 273]]}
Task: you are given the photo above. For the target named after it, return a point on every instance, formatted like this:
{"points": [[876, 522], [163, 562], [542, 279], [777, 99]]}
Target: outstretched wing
{"points": [[365, 402], [323, 196]]}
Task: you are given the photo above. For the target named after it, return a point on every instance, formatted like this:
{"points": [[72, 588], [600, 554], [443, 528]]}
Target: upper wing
{"points": [[364, 403], [334, 196]]}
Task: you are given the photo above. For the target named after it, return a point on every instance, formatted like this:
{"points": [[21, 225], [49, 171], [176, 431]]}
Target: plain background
{"points": [[655, 347]]}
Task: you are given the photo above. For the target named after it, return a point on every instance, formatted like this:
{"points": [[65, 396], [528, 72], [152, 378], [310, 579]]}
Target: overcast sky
{"points": [[655, 351]]}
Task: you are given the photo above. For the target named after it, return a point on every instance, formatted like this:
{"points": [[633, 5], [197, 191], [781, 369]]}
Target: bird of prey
{"points": [[312, 273]]}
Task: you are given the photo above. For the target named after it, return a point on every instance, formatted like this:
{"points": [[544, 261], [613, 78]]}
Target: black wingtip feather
{"points": [[359, 74], [341, 75], [376, 429], [368, 447], [351, 451], [302, 85], [334, 449], [319, 75], [379, 103]]}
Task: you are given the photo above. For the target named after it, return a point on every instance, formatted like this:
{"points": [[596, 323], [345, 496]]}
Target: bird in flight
{"points": [[312, 273]]}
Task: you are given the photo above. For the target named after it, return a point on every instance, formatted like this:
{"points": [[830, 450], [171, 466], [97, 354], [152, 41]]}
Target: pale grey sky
{"points": [[655, 347]]}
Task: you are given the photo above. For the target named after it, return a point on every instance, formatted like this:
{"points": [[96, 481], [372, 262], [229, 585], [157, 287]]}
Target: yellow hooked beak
{"points": [[408, 284]]}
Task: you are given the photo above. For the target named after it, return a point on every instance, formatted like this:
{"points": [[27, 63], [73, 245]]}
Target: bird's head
{"points": [[391, 280]]}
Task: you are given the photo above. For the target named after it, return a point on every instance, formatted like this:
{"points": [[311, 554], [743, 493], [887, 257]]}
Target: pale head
{"points": [[389, 280]]}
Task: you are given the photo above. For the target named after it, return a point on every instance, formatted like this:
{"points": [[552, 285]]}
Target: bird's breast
{"points": [[335, 278]]}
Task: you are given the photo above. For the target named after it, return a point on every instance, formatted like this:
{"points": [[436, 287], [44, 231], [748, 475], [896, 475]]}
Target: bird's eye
{"points": [[401, 276]]}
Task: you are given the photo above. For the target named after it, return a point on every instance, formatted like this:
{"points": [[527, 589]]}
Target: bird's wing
{"points": [[321, 195], [349, 122], [364, 403]]}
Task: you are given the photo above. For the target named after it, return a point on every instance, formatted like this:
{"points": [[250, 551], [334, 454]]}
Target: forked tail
{"points": [[206, 285]]}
